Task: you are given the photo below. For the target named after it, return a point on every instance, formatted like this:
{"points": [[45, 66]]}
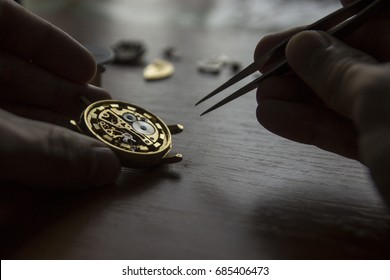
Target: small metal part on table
{"points": [[235, 66], [171, 53], [158, 69], [128, 51], [212, 65]]}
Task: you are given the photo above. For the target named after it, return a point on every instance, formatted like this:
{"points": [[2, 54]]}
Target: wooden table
{"points": [[240, 192]]}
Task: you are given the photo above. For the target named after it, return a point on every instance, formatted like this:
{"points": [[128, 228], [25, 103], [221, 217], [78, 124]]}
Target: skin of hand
{"points": [[338, 96], [43, 73]]}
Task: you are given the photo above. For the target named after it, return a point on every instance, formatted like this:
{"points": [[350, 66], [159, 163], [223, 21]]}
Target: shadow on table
{"points": [[299, 227], [25, 213]]}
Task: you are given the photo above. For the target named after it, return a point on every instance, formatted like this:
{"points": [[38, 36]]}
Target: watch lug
{"points": [[175, 128], [172, 159], [75, 126]]}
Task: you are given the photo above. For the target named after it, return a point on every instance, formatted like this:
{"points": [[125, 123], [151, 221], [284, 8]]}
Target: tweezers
{"points": [[340, 24]]}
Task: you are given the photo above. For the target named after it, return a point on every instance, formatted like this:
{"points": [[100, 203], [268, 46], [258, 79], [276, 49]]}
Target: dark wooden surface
{"points": [[240, 192]]}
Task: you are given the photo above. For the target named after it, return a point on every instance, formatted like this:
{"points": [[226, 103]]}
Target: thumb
{"points": [[43, 155], [332, 69]]}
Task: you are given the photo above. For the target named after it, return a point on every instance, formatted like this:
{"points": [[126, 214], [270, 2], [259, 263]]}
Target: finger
{"points": [[308, 124], [25, 83], [373, 121], [286, 87], [287, 107], [373, 37], [39, 114], [270, 41], [36, 40], [333, 70], [376, 154], [346, 2], [46, 156]]}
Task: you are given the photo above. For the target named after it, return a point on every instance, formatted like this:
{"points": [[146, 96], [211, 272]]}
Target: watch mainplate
{"points": [[139, 137]]}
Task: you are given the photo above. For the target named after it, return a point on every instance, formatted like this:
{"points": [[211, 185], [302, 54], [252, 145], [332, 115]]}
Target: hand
{"points": [[43, 73], [339, 97]]}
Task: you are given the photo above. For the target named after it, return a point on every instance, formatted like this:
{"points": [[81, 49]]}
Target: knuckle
{"points": [[345, 77], [58, 146], [375, 80], [56, 91], [373, 99], [339, 72], [69, 157]]}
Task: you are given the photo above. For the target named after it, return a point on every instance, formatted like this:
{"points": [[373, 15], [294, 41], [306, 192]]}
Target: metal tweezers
{"points": [[339, 23]]}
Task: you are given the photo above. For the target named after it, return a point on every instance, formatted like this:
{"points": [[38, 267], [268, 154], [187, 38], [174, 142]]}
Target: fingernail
{"points": [[310, 40], [105, 168], [304, 46]]}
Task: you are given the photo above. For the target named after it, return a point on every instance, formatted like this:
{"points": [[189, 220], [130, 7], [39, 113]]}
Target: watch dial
{"points": [[127, 127]]}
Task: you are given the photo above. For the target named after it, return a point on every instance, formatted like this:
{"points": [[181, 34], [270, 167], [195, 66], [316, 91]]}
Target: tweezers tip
{"points": [[210, 109], [211, 94], [200, 101]]}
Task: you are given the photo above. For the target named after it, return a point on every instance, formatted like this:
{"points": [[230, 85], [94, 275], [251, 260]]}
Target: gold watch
{"points": [[137, 136]]}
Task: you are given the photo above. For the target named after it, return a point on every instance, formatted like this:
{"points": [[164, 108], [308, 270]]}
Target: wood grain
{"points": [[240, 192]]}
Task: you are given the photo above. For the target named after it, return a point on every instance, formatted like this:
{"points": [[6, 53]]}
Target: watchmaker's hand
{"points": [[43, 70], [290, 108], [48, 156], [341, 100], [43, 73]]}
